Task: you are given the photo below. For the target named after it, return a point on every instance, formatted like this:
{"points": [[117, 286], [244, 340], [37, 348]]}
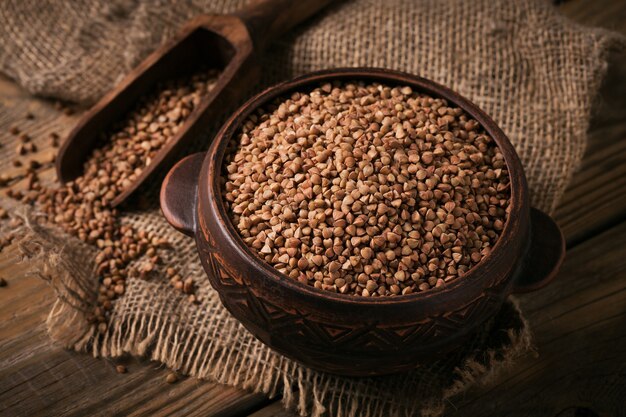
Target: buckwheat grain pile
{"points": [[83, 207], [367, 189]]}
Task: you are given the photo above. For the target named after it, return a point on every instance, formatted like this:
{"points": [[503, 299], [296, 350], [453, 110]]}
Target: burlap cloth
{"points": [[533, 71]]}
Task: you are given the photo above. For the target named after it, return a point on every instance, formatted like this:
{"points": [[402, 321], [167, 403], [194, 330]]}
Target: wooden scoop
{"points": [[229, 43]]}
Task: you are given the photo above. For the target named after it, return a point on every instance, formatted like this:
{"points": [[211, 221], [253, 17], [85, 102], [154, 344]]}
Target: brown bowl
{"points": [[347, 334]]}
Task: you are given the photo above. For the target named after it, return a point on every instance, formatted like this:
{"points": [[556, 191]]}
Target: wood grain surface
{"points": [[579, 321]]}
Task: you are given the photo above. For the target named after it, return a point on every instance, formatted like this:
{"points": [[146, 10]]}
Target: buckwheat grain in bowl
{"points": [[366, 189], [344, 333]]}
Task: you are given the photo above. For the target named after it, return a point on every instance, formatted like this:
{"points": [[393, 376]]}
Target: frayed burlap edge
{"points": [[481, 373], [46, 252], [53, 256]]}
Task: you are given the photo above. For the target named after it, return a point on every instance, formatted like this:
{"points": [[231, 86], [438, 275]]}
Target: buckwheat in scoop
{"points": [[83, 207], [367, 189]]}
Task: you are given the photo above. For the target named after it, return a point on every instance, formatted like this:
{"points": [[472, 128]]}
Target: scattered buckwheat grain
{"points": [[83, 207]]}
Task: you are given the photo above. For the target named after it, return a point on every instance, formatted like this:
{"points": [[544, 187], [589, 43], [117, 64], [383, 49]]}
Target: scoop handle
{"points": [[546, 253], [268, 19], [179, 193]]}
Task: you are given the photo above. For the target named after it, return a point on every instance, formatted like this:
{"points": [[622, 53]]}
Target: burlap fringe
{"points": [[254, 368]]}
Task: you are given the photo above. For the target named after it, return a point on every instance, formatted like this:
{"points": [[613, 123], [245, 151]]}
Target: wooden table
{"points": [[579, 321]]}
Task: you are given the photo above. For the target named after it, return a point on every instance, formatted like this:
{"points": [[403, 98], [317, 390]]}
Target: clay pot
{"points": [[341, 333]]}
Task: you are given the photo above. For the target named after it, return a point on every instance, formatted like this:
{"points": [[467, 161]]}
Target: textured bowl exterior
{"points": [[340, 333]]}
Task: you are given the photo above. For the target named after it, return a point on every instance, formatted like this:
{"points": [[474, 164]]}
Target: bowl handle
{"points": [[179, 192], [546, 253]]}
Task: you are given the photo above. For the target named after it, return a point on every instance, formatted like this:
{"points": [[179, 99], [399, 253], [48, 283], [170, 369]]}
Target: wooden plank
{"points": [[273, 410], [596, 197], [609, 14], [39, 378]]}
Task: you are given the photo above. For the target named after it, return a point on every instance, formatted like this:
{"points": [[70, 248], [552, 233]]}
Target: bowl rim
{"points": [[215, 156]]}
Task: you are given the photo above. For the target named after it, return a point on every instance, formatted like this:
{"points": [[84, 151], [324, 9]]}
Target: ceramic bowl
{"points": [[346, 334]]}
